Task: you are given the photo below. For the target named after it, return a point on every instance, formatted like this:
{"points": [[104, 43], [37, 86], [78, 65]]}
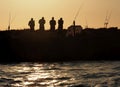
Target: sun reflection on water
{"points": [[58, 74], [43, 74]]}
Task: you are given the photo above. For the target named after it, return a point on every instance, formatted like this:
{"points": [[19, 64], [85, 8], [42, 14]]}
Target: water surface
{"points": [[64, 74]]}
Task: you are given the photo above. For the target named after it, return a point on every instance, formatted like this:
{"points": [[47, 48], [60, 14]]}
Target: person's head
{"points": [[52, 18], [31, 18], [42, 17], [60, 18]]}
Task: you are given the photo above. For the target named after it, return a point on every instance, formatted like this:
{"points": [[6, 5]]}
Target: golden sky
{"points": [[92, 11]]}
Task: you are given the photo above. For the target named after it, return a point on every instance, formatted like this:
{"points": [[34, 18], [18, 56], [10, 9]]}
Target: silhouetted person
{"points": [[9, 27], [31, 24], [74, 27], [60, 24], [52, 24], [41, 24]]}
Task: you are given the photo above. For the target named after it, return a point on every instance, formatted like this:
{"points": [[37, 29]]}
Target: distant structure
{"points": [[52, 24], [60, 24], [107, 19], [31, 23], [41, 24], [74, 30]]}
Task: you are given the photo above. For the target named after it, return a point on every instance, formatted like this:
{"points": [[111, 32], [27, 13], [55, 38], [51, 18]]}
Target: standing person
{"points": [[41, 24], [60, 24], [31, 24], [52, 24]]}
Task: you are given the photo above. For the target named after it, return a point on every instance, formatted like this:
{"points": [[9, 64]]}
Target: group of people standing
{"points": [[42, 22]]}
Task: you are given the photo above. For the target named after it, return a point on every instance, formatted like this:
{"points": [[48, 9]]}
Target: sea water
{"points": [[61, 74]]}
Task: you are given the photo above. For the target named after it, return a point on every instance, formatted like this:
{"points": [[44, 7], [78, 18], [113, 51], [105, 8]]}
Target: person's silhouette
{"points": [[41, 24], [31, 24], [52, 24], [60, 24]]}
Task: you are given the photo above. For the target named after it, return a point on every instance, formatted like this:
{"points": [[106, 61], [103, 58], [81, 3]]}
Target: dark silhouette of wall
{"points": [[90, 44]]}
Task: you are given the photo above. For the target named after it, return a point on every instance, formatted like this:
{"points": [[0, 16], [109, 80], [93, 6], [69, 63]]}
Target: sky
{"points": [[92, 12]]}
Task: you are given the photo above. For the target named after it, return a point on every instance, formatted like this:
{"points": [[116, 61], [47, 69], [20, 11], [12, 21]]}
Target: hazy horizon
{"points": [[92, 11]]}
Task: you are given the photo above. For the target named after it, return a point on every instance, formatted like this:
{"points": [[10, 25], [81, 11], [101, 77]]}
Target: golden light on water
{"points": [[39, 73], [59, 74]]}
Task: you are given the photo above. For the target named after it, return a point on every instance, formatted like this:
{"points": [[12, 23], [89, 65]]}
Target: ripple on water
{"points": [[6, 82], [100, 75], [71, 74]]}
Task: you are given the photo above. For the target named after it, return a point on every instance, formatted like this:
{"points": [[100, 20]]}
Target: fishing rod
{"points": [[10, 20], [86, 23], [107, 19], [76, 17], [77, 14]]}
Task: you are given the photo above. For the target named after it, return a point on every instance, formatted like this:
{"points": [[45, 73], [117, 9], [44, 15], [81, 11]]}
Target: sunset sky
{"points": [[92, 11]]}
